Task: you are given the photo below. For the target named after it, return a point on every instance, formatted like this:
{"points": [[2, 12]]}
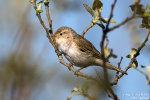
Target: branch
{"points": [[90, 26], [122, 23], [76, 72], [52, 41], [108, 88], [109, 92], [132, 60], [48, 17], [143, 44], [120, 62]]}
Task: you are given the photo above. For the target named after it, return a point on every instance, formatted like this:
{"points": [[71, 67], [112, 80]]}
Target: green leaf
{"points": [[112, 20], [145, 19], [143, 25], [138, 9], [147, 11], [132, 52], [39, 8], [74, 90], [89, 9], [102, 19], [85, 88], [46, 2], [107, 51], [148, 22], [97, 4], [128, 56], [148, 69], [101, 25], [135, 64], [143, 66]]}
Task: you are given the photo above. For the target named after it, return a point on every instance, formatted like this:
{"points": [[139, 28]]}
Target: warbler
{"points": [[78, 50]]}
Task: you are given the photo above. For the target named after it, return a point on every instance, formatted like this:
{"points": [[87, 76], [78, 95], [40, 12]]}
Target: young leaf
{"points": [[128, 56], [107, 51], [144, 20], [143, 25], [135, 64], [39, 8], [138, 9], [97, 4], [147, 11], [112, 20], [102, 19], [143, 66], [46, 2], [133, 51], [148, 22], [89, 9], [85, 88], [101, 25], [148, 69]]}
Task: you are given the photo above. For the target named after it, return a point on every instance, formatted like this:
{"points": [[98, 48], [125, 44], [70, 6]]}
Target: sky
{"points": [[130, 87]]}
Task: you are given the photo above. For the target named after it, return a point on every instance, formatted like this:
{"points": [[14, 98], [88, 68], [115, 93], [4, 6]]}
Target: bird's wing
{"points": [[86, 46]]}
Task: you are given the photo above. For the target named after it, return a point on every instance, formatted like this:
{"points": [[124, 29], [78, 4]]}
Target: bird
{"points": [[78, 50]]}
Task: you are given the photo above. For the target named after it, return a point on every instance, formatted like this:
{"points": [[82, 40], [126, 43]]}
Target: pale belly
{"points": [[78, 58], [75, 56]]}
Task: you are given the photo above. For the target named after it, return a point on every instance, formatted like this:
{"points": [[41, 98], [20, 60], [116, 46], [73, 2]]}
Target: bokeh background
{"points": [[30, 69]]}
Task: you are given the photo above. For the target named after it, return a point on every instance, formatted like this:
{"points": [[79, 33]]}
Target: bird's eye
{"points": [[61, 34]]}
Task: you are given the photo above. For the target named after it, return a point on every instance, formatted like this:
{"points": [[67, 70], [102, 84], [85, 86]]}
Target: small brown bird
{"points": [[78, 50]]}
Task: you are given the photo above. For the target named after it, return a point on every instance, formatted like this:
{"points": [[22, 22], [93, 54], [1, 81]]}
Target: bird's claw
{"points": [[69, 66], [76, 72]]}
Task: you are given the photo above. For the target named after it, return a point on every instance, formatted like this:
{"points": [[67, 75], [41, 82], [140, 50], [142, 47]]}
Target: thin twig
{"points": [[48, 17], [119, 63], [107, 42], [98, 75], [104, 85], [143, 44], [34, 4], [132, 60], [108, 87], [51, 40], [122, 23], [110, 17], [91, 25], [77, 72]]}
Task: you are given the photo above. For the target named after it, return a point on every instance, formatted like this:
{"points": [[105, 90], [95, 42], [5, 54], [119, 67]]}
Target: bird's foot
{"points": [[70, 66], [77, 71]]}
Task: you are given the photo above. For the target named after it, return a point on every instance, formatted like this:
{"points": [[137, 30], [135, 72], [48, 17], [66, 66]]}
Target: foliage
{"points": [[144, 13]]}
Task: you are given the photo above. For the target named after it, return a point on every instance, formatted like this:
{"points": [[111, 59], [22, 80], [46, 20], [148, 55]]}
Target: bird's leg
{"points": [[76, 73], [69, 66]]}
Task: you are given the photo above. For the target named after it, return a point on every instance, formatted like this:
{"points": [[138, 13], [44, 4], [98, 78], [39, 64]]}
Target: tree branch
{"points": [[52, 41], [122, 23], [108, 87], [132, 60]]}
